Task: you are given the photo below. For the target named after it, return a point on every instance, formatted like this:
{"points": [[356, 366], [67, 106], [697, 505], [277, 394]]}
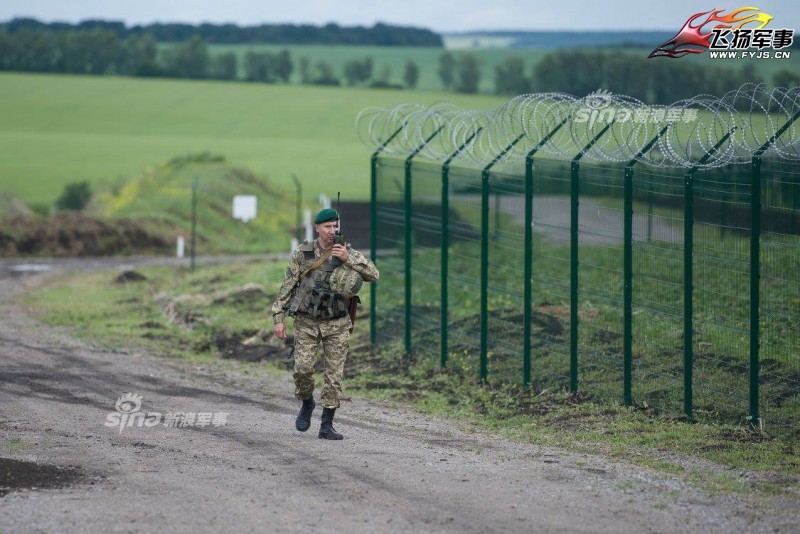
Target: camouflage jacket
{"points": [[297, 264]]}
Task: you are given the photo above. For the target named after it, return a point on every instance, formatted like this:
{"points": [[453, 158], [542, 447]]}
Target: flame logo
{"points": [[691, 39], [128, 403]]}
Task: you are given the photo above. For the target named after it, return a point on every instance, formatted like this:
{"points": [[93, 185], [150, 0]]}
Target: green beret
{"points": [[326, 215]]}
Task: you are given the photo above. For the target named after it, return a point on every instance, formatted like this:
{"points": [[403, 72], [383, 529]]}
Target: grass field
{"points": [[60, 129]]}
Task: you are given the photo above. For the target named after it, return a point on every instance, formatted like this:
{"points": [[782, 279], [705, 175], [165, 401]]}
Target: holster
{"points": [[351, 310]]}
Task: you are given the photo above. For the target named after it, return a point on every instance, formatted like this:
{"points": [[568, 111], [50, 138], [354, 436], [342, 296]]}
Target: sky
{"points": [[443, 16]]}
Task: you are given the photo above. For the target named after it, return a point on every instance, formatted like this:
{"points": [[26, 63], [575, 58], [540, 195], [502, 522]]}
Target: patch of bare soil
{"points": [[69, 234], [21, 474]]}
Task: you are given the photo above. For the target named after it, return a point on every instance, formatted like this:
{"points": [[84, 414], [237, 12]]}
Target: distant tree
{"points": [[37, 51], [509, 78], [89, 51], [283, 65], [351, 72], [447, 70], [75, 196], [786, 78], [138, 56], [324, 75], [223, 66], [187, 60], [259, 67], [469, 74], [628, 75], [411, 74], [305, 70], [385, 74], [576, 72], [10, 52], [358, 72]]}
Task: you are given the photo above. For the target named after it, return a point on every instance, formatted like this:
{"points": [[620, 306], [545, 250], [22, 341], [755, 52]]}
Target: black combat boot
{"points": [[326, 430], [303, 421]]}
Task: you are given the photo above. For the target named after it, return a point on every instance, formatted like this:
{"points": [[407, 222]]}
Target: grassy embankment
{"points": [[722, 457], [62, 129]]}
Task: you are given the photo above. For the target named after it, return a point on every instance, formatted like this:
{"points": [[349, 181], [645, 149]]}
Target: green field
{"points": [[60, 129]]}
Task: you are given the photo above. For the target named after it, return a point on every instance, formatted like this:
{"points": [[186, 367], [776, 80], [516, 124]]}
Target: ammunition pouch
{"points": [[313, 297]]}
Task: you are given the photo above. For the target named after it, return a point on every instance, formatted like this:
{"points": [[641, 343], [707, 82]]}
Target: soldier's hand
{"points": [[340, 251], [280, 330]]}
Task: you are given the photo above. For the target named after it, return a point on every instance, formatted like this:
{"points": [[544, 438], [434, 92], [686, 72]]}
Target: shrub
{"points": [[74, 197]]}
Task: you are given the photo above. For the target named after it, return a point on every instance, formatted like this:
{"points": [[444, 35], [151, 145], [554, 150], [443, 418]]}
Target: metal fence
{"points": [[670, 280]]}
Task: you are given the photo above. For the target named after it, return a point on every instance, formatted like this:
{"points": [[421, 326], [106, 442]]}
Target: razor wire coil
{"points": [[704, 131]]}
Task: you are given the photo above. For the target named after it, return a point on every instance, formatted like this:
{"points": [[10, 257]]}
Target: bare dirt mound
{"points": [[75, 234]]}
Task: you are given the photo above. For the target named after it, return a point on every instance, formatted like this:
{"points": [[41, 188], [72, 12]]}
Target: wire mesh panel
{"points": [[463, 277], [721, 342], [658, 305], [426, 235], [780, 297], [505, 282], [600, 275], [646, 281], [389, 290], [550, 335]]}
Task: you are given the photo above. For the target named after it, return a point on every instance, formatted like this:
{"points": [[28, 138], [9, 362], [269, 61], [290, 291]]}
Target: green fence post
{"points": [[298, 208], [445, 252], [688, 276], [573, 278], [755, 273], [649, 211], [194, 220], [528, 281], [373, 230], [627, 328], [688, 236], [755, 286], [409, 235], [627, 338], [485, 257]]}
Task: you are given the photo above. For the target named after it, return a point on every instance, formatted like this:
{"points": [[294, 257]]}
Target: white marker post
{"points": [[307, 224]]}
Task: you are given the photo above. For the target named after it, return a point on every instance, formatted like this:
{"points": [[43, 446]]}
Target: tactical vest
{"points": [[313, 296]]}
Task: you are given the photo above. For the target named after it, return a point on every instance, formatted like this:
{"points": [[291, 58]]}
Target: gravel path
{"points": [[396, 470]]}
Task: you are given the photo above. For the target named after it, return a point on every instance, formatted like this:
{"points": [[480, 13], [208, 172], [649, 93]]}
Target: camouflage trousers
{"points": [[335, 338]]}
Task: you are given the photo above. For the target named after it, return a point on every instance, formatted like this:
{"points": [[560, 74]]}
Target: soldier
{"points": [[321, 281]]}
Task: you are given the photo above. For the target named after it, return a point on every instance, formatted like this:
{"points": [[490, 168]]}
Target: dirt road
{"points": [[247, 470]]}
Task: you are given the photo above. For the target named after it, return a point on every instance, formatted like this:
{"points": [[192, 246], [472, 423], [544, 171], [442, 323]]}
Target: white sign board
{"points": [[244, 207]]}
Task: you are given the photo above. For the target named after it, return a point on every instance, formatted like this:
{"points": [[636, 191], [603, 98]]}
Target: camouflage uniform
{"points": [[334, 334]]}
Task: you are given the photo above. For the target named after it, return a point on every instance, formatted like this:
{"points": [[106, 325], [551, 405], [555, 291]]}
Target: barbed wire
{"points": [[703, 131]]}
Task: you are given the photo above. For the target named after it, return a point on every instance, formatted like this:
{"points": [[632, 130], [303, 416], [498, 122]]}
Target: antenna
{"points": [[339, 222]]}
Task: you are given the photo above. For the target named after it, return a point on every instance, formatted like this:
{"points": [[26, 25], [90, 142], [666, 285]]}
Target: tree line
{"points": [[378, 35], [102, 51], [654, 81]]}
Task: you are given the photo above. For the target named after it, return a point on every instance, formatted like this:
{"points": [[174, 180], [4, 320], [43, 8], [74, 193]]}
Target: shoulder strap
{"points": [[317, 263]]}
